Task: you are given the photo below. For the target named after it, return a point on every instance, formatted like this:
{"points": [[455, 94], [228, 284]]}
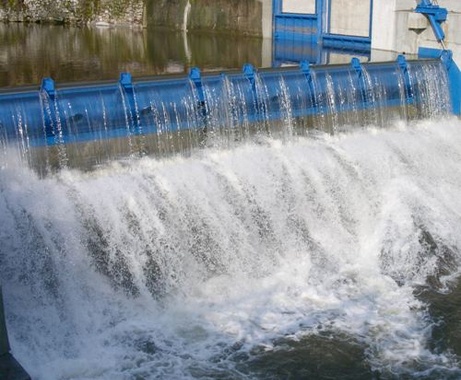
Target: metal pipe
{"points": [[436, 16]]}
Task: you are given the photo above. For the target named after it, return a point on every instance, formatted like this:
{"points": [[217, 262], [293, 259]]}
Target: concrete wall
{"points": [[228, 16], [397, 28], [127, 12], [250, 17]]}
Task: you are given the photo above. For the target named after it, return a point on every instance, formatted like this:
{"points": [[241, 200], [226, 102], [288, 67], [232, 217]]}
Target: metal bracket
{"points": [[131, 113], [196, 77], [48, 87], [126, 81], [357, 66], [305, 67], [436, 16], [403, 65]]}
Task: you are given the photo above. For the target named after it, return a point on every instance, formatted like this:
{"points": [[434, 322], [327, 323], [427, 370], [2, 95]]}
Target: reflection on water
{"points": [[30, 52]]}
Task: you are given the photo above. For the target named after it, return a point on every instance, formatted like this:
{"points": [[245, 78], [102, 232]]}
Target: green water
{"points": [[31, 52]]}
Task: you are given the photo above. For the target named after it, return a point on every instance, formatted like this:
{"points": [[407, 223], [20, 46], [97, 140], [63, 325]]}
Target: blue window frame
{"points": [[316, 27]]}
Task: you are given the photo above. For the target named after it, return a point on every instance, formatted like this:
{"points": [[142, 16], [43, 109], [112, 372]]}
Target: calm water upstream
{"points": [[318, 257], [31, 52]]}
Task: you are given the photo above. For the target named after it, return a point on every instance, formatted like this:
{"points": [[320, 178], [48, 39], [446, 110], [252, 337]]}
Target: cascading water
{"points": [[300, 257], [86, 126]]}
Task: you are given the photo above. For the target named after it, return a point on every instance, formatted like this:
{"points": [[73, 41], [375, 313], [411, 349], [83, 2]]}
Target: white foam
{"points": [[253, 244]]}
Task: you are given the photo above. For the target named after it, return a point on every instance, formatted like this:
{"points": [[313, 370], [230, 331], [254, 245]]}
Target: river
{"points": [[317, 257]]}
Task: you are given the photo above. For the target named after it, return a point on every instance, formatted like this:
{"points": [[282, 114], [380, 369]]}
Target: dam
{"points": [[177, 113], [172, 114], [299, 220]]}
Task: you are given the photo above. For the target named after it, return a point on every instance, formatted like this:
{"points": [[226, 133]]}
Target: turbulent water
{"points": [[318, 258]]}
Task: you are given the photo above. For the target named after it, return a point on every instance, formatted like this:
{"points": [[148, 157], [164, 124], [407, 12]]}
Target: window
{"points": [[298, 6]]}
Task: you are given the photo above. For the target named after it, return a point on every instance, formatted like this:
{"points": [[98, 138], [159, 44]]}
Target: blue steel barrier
{"points": [[104, 110], [453, 71]]}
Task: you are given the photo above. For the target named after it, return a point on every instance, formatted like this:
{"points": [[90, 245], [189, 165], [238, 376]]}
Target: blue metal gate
{"points": [[321, 24], [298, 26]]}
